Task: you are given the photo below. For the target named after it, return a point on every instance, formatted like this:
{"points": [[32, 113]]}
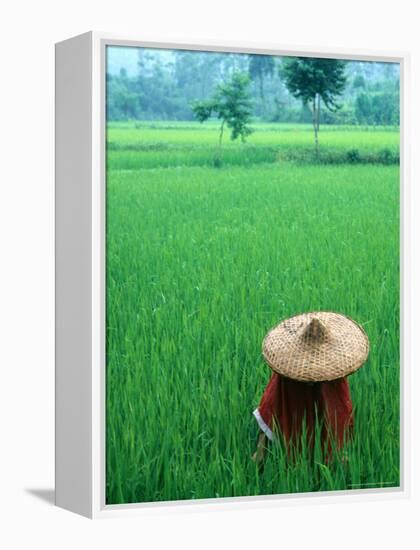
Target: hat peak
{"points": [[315, 330]]}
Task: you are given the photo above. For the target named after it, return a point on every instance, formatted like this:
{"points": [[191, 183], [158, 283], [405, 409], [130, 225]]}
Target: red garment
{"points": [[287, 402]]}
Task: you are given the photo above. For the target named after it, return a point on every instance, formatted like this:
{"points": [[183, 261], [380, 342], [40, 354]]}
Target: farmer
{"points": [[311, 355]]}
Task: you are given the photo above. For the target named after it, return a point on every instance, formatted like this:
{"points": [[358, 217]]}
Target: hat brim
{"points": [[342, 351]]}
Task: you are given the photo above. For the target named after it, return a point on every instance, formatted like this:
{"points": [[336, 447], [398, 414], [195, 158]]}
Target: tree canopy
{"points": [[231, 104], [147, 84], [313, 80], [261, 66], [307, 77]]}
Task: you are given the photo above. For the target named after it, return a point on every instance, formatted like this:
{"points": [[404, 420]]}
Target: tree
{"points": [[363, 109], [232, 105], [359, 82], [379, 108], [311, 80], [197, 72], [260, 66]]}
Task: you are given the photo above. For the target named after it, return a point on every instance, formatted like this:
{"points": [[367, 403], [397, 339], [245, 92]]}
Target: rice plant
{"points": [[201, 262]]}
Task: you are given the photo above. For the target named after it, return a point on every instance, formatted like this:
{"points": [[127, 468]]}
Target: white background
{"points": [[28, 32]]}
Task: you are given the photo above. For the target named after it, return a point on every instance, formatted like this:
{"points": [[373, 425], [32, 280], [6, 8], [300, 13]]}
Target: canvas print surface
{"points": [[252, 275]]}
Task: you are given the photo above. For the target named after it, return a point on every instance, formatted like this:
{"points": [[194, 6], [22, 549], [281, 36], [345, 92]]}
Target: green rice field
{"points": [[202, 261]]}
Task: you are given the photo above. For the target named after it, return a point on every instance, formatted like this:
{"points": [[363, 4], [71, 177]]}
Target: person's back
{"points": [[288, 405], [311, 356]]}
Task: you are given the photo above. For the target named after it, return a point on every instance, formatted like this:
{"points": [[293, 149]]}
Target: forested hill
{"points": [[152, 84]]}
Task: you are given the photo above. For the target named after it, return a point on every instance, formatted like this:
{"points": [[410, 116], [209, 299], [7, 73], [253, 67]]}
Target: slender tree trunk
{"points": [[315, 124], [218, 156], [261, 79], [221, 134], [318, 112]]}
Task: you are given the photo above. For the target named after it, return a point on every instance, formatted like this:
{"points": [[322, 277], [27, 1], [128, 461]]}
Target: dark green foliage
{"points": [[363, 108], [204, 110], [122, 101], [330, 156], [231, 104], [166, 83], [353, 156], [378, 108], [313, 80], [261, 66], [306, 78], [386, 156], [359, 81]]}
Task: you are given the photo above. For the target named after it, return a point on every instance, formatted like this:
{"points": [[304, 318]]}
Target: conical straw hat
{"points": [[316, 347]]}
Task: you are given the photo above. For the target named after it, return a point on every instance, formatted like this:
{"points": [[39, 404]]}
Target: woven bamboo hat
{"points": [[316, 347]]}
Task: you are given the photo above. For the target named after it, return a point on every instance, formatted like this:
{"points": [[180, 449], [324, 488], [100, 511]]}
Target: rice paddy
{"points": [[201, 262]]}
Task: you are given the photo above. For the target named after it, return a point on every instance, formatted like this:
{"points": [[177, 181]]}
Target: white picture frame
{"points": [[80, 274]]}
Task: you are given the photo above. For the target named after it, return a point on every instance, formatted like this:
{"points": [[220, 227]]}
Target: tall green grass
{"points": [[201, 262], [132, 146]]}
